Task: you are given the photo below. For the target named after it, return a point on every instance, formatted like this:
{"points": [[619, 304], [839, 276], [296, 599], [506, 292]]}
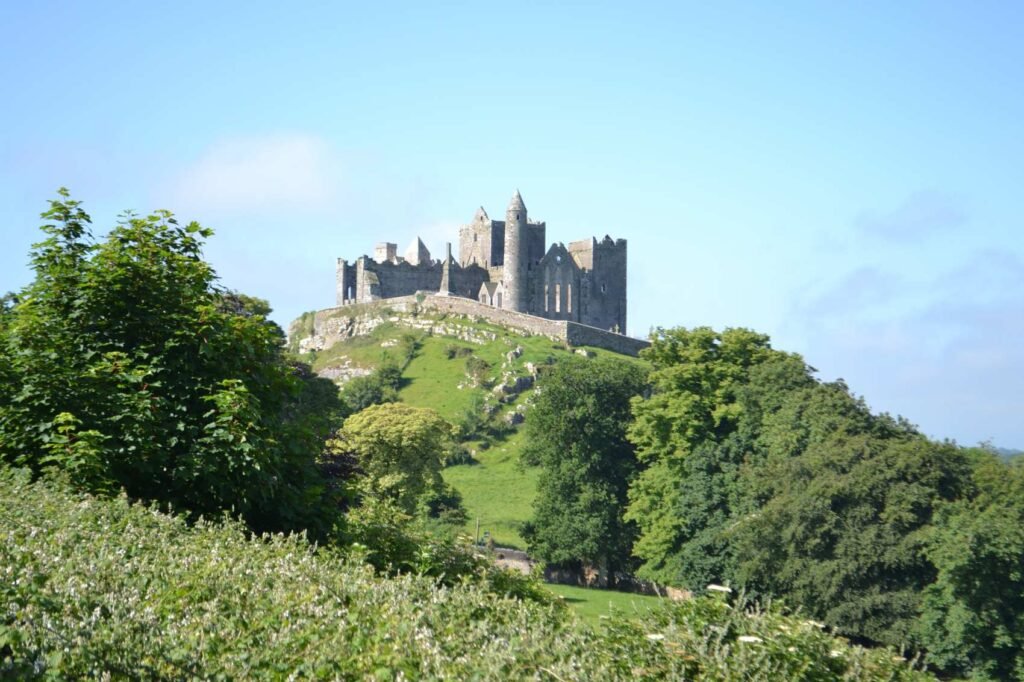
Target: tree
{"points": [[973, 614], [130, 368], [577, 435], [845, 533], [398, 450], [698, 378], [380, 386]]}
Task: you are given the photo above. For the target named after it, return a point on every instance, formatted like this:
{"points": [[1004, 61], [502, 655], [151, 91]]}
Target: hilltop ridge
{"points": [[321, 329], [477, 371]]}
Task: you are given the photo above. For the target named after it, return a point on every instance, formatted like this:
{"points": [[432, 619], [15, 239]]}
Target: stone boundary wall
{"points": [[517, 560], [458, 305], [582, 335], [573, 333]]}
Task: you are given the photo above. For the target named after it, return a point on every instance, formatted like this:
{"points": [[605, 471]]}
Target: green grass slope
{"points": [[496, 490], [595, 605]]}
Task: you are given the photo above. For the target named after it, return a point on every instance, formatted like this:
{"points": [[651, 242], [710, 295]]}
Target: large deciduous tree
{"points": [[686, 437], [398, 450], [973, 616], [126, 366], [577, 434]]}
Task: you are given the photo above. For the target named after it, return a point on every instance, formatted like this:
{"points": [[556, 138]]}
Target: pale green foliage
{"points": [[91, 588], [399, 451]]}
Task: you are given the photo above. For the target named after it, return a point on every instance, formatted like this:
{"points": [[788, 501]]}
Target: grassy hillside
{"points": [[496, 490]]}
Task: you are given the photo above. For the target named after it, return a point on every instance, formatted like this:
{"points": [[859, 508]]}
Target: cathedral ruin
{"points": [[505, 264]]}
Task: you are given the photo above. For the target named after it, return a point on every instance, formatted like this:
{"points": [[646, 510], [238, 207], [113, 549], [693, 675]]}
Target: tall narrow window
{"points": [[545, 298], [558, 298], [499, 299], [568, 298]]}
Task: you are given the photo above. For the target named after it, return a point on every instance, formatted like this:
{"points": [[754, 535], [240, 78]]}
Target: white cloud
{"points": [[283, 172]]}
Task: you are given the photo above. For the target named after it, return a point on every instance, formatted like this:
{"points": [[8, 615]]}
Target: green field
{"points": [[497, 491], [591, 604]]}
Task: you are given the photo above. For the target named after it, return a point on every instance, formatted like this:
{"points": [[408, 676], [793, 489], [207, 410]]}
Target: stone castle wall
{"points": [[584, 335], [333, 324], [585, 283]]}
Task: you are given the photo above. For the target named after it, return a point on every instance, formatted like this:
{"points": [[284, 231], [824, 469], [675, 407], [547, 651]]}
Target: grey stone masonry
{"points": [[504, 264]]}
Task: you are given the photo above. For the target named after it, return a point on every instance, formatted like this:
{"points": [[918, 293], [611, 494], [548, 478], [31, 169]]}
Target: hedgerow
{"points": [[93, 587]]}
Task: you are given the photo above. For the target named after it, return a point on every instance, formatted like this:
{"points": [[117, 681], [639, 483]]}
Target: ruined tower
{"points": [[514, 271], [505, 264]]}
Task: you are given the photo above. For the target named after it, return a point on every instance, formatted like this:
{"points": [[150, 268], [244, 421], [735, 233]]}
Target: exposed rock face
{"points": [[514, 386], [343, 372], [340, 324], [441, 315]]}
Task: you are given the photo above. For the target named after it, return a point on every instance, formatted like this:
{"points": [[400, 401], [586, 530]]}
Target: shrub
{"points": [[477, 368], [454, 350], [92, 588]]}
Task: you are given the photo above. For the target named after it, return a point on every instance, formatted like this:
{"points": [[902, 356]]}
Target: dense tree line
{"points": [[741, 468]]}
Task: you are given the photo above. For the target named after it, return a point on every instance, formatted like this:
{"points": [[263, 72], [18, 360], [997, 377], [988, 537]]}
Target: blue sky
{"points": [[844, 177]]}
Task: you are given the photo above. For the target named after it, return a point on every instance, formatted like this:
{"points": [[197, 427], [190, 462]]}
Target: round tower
{"points": [[514, 271]]}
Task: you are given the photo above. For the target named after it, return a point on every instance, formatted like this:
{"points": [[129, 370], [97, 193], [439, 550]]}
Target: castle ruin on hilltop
{"points": [[502, 264]]}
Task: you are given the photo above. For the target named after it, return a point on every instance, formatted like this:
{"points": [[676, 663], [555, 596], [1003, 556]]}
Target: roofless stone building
{"points": [[505, 264]]}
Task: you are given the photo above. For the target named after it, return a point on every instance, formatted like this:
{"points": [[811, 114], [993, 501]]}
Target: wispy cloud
{"points": [[862, 289], [244, 175], [920, 215], [944, 349]]}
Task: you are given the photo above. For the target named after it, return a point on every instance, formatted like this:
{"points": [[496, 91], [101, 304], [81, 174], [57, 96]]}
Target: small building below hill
{"points": [[504, 264]]}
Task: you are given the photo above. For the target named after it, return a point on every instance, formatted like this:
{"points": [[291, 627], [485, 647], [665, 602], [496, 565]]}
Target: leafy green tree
{"points": [[577, 434], [763, 477], [846, 539], [698, 377], [380, 386], [399, 451], [711, 490], [129, 368], [973, 617]]}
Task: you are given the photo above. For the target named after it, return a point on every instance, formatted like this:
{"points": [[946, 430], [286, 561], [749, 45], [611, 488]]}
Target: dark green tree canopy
{"points": [[699, 377], [577, 435], [973, 616], [760, 476]]}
